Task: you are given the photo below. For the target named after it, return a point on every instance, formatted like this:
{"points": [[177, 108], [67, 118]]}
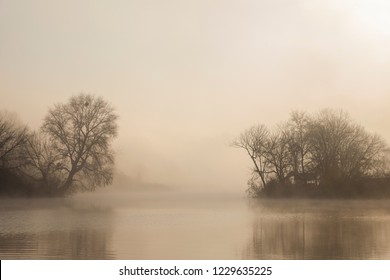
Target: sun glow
{"points": [[375, 14]]}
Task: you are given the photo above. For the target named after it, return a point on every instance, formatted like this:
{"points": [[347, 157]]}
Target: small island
{"points": [[313, 156]]}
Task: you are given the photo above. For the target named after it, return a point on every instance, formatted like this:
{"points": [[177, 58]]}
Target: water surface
{"points": [[192, 226]]}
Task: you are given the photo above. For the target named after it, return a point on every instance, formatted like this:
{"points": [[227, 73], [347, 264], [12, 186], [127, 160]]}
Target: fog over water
{"points": [[186, 77], [192, 226]]}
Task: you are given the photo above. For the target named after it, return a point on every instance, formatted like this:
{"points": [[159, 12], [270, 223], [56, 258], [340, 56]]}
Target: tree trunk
{"points": [[67, 185], [261, 174]]}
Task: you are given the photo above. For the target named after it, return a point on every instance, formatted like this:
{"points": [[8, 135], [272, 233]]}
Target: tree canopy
{"points": [[81, 132], [71, 152], [327, 151]]}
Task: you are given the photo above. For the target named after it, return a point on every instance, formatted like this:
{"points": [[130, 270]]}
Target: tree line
{"points": [[323, 154], [70, 152]]}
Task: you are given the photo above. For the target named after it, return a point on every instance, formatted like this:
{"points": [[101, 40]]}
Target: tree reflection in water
{"points": [[46, 231], [73, 245], [329, 230]]}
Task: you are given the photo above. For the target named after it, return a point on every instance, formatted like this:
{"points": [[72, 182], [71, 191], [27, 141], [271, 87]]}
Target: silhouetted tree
{"points": [[341, 149], [13, 136], [254, 142], [277, 155], [81, 132], [327, 133], [297, 129], [44, 163], [327, 148]]}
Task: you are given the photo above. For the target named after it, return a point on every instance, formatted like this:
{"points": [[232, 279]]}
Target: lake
{"points": [[173, 225]]}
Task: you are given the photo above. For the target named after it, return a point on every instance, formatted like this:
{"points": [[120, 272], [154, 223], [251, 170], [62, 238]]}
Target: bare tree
{"points": [[81, 132], [341, 149], [13, 136], [277, 155], [327, 133], [361, 154], [297, 129], [253, 141], [44, 163], [327, 150]]}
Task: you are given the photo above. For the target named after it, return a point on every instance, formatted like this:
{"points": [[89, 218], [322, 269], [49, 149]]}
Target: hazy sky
{"points": [[186, 77]]}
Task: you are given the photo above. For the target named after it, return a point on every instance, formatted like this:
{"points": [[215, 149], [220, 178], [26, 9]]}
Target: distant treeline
{"points": [[322, 155], [70, 152]]}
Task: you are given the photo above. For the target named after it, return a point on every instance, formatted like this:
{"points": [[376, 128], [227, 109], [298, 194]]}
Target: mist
{"points": [[187, 77]]}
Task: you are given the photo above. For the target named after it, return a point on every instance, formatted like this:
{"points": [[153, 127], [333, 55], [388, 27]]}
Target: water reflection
{"points": [[77, 244], [63, 231], [334, 230], [189, 227]]}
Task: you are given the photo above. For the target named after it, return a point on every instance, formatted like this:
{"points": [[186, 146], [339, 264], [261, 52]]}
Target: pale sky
{"points": [[186, 77]]}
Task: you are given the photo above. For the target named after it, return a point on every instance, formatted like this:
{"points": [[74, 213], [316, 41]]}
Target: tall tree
{"points": [[329, 129], [254, 142], [341, 149], [299, 145], [81, 131]]}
